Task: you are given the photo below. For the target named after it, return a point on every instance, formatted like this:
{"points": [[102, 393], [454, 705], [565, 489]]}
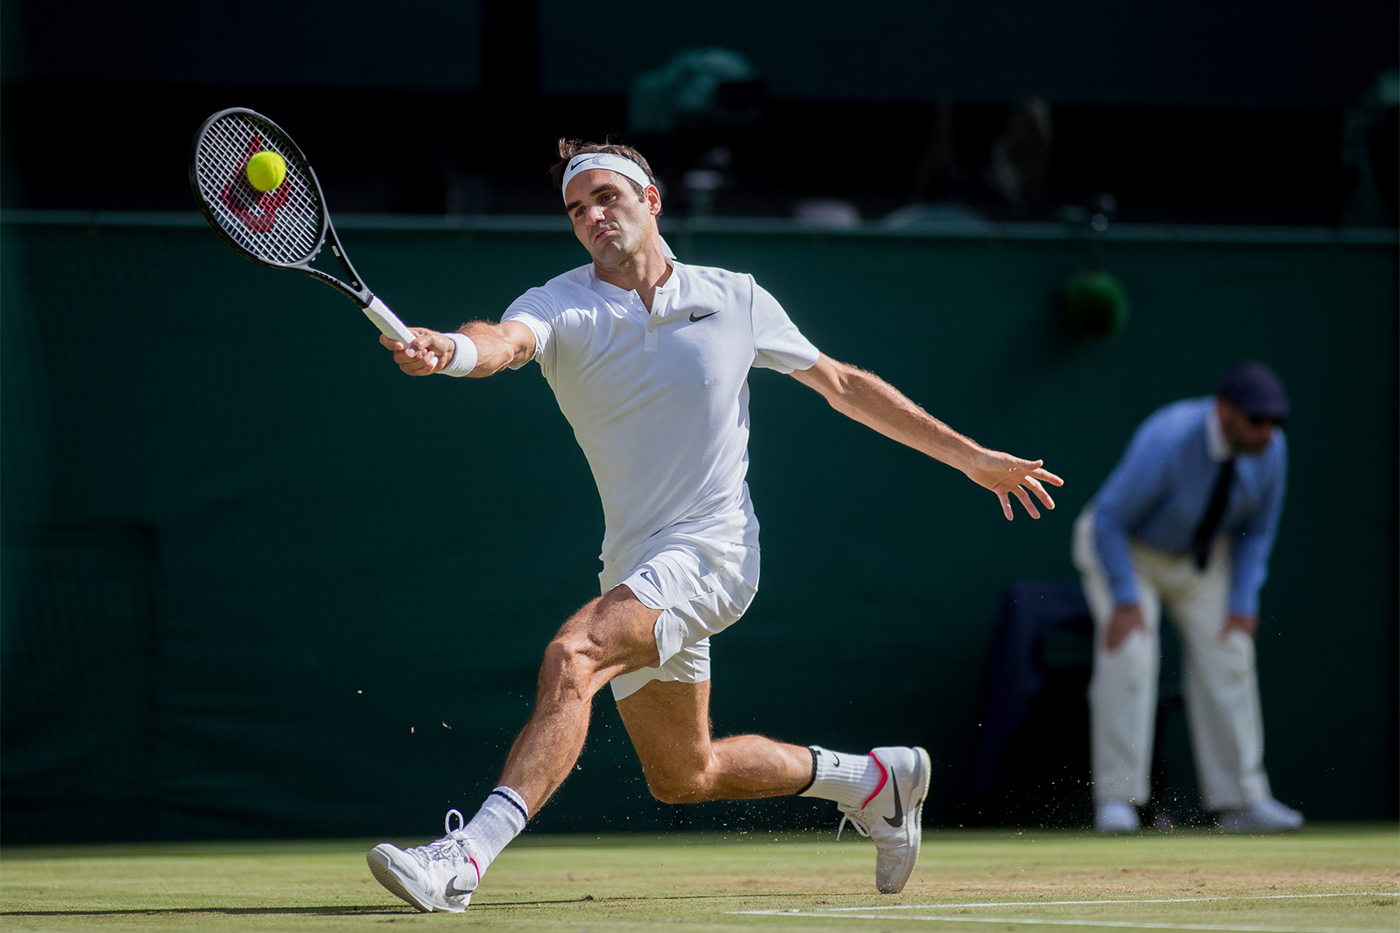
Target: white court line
{"points": [[1127, 900], [1114, 924], [883, 913]]}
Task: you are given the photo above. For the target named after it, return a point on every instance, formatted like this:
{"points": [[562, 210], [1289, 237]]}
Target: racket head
{"points": [[284, 227]]}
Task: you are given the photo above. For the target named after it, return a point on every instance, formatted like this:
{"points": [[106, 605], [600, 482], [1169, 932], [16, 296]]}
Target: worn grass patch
{"points": [[1330, 879]]}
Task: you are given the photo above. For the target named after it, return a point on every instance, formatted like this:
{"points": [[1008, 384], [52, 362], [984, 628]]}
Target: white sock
{"points": [[850, 780], [500, 819]]}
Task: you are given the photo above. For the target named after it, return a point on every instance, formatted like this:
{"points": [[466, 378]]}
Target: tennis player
{"points": [[649, 360]]}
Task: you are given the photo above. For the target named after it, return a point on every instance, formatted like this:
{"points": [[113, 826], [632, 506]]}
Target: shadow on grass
{"points": [[233, 911], [369, 910], [648, 898]]}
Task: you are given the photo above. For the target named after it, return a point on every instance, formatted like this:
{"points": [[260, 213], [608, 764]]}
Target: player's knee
{"points": [[567, 666], [678, 786]]}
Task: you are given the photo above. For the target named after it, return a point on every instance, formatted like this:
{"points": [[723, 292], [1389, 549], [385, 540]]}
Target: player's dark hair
{"points": [[568, 148]]}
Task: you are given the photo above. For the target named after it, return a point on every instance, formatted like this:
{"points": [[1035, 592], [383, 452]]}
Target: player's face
{"points": [[1246, 435], [611, 222]]}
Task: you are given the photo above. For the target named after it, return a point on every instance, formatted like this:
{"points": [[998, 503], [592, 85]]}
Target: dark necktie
{"points": [[1215, 511]]}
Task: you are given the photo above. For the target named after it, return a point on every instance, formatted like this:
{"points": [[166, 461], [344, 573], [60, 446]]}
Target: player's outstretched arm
{"points": [[865, 397], [497, 346]]}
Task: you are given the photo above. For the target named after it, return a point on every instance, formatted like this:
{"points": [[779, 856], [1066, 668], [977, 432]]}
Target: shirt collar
{"points": [[671, 280], [1217, 447], [607, 288]]}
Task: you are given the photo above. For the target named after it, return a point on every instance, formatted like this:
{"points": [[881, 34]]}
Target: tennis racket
{"points": [[284, 228]]}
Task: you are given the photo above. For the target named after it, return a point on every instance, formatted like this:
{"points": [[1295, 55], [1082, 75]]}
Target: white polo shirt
{"points": [[659, 402]]}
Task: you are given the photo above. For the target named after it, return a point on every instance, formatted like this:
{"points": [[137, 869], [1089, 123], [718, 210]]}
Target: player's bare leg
{"points": [[882, 794], [669, 724], [608, 636]]}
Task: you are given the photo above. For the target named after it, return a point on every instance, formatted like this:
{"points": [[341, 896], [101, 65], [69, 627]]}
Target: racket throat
{"points": [[351, 273]]}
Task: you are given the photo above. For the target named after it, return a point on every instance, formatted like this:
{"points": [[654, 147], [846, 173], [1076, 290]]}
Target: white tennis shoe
{"points": [[893, 815], [1265, 816], [1116, 816], [438, 876]]}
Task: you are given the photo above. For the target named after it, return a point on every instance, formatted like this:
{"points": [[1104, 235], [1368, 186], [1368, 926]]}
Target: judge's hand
{"points": [[1240, 621], [1124, 621]]}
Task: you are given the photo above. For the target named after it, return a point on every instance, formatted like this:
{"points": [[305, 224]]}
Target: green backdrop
{"points": [[257, 582]]}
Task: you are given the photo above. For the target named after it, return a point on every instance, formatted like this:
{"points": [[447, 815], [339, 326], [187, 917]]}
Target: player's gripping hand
{"points": [[429, 352], [1009, 476]]}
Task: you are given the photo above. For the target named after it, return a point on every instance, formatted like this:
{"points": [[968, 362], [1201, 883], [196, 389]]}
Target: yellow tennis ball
{"points": [[267, 170]]}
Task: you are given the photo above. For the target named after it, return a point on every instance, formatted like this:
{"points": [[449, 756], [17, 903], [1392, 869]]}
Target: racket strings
{"points": [[282, 225]]}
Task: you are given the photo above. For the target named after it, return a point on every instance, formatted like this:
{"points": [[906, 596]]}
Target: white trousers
{"points": [[1220, 685]]}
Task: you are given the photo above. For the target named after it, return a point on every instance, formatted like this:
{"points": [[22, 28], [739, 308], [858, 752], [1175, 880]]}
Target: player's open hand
{"points": [[424, 356], [1009, 476]]}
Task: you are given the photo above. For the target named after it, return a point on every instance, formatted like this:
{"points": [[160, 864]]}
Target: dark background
{"points": [[216, 620], [1195, 111]]}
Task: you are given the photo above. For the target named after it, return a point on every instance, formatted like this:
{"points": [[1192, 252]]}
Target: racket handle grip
{"points": [[387, 321]]}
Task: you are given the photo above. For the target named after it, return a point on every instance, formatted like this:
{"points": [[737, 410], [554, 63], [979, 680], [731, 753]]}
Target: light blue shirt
{"points": [[1159, 491]]}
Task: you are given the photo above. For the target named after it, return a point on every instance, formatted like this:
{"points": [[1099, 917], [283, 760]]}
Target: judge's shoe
{"points": [[438, 876], [1116, 816], [893, 815], [1265, 816]]}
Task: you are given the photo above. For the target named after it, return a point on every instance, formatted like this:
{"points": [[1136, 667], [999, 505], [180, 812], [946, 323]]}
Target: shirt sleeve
{"points": [[534, 310], [1254, 541], [778, 344], [1131, 492]]}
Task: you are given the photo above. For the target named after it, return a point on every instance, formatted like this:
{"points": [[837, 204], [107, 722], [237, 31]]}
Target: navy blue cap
{"points": [[1254, 389]]}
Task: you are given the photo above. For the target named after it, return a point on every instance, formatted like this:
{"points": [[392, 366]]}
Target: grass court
{"points": [[1325, 879]]}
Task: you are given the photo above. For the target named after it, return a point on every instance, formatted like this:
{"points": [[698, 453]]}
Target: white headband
{"points": [[613, 163]]}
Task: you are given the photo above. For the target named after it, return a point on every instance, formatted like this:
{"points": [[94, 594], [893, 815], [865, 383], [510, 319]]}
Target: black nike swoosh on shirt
{"points": [[703, 316], [897, 820]]}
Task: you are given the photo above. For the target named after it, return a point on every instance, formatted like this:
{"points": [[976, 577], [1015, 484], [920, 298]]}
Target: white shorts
{"points": [[699, 593]]}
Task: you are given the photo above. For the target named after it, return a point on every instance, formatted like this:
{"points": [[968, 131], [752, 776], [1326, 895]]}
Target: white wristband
{"points": [[464, 359]]}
